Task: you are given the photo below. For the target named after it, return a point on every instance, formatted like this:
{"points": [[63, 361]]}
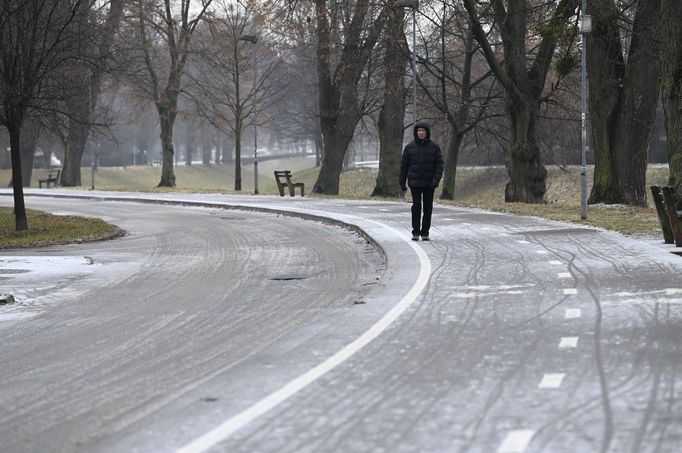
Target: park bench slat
{"points": [[52, 178], [283, 179]]}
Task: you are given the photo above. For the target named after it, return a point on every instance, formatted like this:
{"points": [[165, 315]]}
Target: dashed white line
{"points": [[570, 291], [521, 241], [551, 380], [541, 252], [568, 342], [572, 313], [564, 275], [555, 263], [516, 441]]}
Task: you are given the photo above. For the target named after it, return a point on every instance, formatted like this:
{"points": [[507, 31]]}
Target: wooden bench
{"points": [[286, 175], [52, 178], [669, 218]]}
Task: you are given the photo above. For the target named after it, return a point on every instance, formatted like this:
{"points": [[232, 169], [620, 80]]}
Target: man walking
{"points": [[421, 167]]}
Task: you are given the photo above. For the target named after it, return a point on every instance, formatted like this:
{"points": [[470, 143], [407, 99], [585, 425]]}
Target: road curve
{"points": [[530, 336], [190, 295]]}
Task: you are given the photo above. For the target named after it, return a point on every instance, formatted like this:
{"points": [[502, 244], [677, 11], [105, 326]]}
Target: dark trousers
{"points": [[421, 196]]}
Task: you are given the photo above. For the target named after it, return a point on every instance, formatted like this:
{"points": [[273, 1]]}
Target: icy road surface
{"points": [[225, 330]]}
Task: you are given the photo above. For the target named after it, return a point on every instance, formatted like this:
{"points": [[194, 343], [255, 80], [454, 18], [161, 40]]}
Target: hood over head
{"points": [[424, 125]]}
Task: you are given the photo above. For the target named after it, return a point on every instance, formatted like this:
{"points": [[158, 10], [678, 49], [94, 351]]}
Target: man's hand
{"points": [[434, 184]]}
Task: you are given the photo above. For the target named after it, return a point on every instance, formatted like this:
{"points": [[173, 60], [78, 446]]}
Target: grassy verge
{"points": [[480, 187], [47, 229]]}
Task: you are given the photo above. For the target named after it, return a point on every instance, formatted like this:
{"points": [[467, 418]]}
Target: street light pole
{"points": [[413, 5], [585, 29], [254, 39]]}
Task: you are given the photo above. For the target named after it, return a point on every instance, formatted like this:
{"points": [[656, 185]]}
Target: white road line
{"points": [[551, 380], [516, 441], [555, 263], [521, 241], [573, 313], [570, 291], [564, 275], [568, 342], [238, 421], [541, 252]]}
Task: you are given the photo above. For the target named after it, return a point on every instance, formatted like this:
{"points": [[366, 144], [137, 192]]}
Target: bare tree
{"points": [[297, 114], [34, 46], [229, 91], [95, 27], [523, 79], [163, 34], [456, 83], [346, 36]]}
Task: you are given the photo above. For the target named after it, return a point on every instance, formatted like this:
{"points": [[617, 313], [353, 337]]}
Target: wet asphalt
{"points": [[209, 329]]}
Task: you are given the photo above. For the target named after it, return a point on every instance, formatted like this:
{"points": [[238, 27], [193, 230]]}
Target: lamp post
{"points": [[585, 29], [253, 38], [413, 5]]}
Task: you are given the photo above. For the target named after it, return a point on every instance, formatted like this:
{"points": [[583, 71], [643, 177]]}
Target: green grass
{"points": [[481, 187], [47, 229]]}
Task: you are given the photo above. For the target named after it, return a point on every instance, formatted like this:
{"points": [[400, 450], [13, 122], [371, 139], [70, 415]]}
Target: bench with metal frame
{"points": [[283, 179], [669, 218], [52, 178]]}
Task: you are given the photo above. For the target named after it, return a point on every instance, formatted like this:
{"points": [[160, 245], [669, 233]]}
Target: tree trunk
{"points": [[338, 125], [451, 156], [167, 115], [337, 135], [73, 154], [318, 149], [391, 116], [527, 175], [78, 107], [623, 98], [14, 129], [206, 154], [190, 142], [238, 154], [641, 91], [671, 83], [606, 68], [30, 132]]}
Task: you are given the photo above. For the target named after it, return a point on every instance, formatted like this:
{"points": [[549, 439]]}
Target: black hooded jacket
{"points": [[422, 161]]}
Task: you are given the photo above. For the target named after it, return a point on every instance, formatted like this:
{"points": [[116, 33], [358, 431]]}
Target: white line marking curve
{"points": [[238, 421]]}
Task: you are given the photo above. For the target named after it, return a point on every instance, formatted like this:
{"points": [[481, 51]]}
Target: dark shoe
{"points": [[425, 238], [415, 237]]}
